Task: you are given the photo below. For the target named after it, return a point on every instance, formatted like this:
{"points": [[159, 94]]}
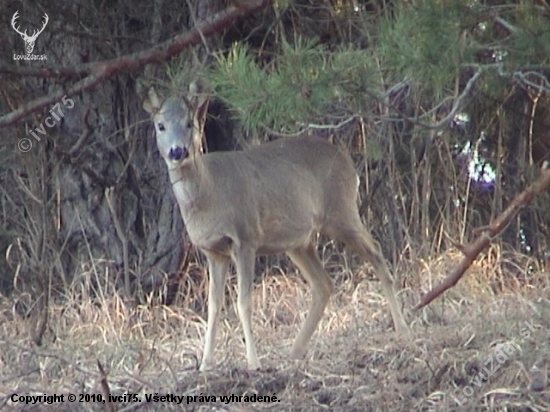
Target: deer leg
{"points": [[356, 237], [383, 273], [321, 288], [244, 261], [218, 267]]}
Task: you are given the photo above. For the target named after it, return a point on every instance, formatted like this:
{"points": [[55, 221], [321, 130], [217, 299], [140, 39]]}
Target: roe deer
{"points": [[265, 200]]}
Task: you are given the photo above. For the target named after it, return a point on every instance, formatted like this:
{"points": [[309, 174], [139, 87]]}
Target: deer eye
{"points": [[161, 127], [189, 124]]}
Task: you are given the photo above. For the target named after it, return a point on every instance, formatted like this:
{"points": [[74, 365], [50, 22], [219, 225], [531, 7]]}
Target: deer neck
{"points": [[187, 183]]}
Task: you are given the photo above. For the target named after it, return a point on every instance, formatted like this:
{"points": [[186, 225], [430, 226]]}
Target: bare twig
{"points": [[544, 85], [459, 102], [457, 105]]}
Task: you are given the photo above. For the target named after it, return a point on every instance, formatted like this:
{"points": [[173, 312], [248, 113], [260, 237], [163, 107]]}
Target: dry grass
{"points": [[354, 362]]}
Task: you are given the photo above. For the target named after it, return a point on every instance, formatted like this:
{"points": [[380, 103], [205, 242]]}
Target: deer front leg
{"points": [[244, 261], [218, 267]]}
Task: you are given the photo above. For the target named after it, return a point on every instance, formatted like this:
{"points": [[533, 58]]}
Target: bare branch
{"points": [[459, 102], [473, 249], [101, 71], [457, 105], [523, 77], [509, 26]]}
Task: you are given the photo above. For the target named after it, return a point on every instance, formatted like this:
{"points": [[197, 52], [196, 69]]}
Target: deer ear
{"points": [[198, 98], [151, 103]]}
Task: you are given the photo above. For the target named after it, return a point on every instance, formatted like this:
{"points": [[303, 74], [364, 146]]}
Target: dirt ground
{"points": [[483, 346]]}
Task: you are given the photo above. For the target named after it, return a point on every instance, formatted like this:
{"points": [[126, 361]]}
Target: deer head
{"points": [[178, 123], [29, 40]]}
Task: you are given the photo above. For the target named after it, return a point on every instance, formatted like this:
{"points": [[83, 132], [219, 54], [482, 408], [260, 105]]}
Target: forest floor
{"points": [[483, 346]]}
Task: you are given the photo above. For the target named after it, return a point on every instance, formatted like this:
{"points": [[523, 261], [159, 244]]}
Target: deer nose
{"points": [[177, 153]]}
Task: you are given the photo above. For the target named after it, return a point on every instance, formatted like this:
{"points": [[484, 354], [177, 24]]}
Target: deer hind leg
{"points": [[244, 261], [354, 235], [321, 287], [218, 267]]}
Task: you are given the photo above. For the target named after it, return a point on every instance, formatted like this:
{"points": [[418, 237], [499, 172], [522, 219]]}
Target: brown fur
{"points": [[268, 199]]}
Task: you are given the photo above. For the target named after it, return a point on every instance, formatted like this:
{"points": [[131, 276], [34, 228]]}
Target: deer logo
{"points": [[29, 40]]}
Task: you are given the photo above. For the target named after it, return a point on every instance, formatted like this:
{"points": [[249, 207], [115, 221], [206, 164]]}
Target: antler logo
{"points": [[29, 40]]}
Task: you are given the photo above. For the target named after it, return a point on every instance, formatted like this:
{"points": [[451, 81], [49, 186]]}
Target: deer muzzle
{"points": [[178, 153]]}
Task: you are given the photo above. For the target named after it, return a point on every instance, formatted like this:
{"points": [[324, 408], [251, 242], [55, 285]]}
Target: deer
{"points": [[268, 199]]}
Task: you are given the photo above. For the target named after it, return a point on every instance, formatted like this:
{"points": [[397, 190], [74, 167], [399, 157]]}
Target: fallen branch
{"points": [[101, 71], [473, 249]]}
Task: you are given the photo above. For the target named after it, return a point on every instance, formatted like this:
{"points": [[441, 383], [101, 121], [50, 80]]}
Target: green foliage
{"points": [[239, 81], [426, 43], [295, 88], [430, 44], [529, 42], [493, 88]]}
